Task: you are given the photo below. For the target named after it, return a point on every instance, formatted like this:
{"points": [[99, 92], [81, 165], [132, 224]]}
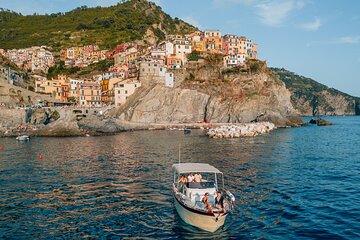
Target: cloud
{"points": [[350, 39], [192, 21], [312, 26], [274, 12]]}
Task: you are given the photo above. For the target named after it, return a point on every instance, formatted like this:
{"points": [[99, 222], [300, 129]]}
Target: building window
{"points": [[118, 91], [126, 92]]}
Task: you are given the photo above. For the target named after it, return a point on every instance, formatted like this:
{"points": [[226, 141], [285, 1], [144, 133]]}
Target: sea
{"points": [[294, 183]]}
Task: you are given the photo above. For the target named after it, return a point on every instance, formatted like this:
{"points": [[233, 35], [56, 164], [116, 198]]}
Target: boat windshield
{"points": [[201, 185]]}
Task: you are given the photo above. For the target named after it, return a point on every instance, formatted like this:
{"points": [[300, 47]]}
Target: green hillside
{"points": [[105, 26], [310, 97]]}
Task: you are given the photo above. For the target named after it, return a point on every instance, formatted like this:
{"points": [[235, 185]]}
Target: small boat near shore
{"points": [[187, 130], [23, 138], [188, 196]]}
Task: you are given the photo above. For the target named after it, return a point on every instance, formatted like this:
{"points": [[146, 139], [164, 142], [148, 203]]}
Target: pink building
{"points": [[89, 94]]}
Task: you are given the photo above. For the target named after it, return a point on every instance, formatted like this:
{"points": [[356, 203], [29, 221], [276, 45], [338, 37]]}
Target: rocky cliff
{"points": [[311, 98], [205, 93]]}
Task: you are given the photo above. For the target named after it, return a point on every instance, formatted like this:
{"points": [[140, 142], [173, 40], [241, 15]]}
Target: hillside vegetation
{"points": [[311, 98], [106, 26]]}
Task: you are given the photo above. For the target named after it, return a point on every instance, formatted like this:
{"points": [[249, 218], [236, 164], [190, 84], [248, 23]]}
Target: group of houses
{"points": [[103, 89], [82, 56], [133, 65], [35, 59]]}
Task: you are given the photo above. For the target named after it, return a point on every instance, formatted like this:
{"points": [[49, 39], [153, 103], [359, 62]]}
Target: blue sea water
{"points": [[295, 183]]}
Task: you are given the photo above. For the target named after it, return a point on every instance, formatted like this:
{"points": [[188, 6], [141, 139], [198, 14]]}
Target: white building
{"points": [[182, 48], [169, 79], [233, 60], [74, 86], [124, 89]]}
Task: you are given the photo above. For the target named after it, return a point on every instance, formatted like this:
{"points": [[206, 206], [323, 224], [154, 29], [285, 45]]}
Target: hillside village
{"points": [[132, 63]]}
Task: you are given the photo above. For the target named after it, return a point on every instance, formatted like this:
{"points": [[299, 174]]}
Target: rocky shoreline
{"points": [[241, 130]]}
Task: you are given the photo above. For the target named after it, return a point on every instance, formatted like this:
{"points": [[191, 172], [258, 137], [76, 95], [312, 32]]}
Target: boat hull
{"points": [[206, 221]]}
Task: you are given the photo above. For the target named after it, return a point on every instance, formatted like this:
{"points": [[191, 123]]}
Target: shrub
{"points": [[194, 56]]}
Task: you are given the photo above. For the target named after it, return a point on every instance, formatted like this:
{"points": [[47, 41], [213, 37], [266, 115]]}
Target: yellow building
{"points": [[104, 84], [198, 46], [243, 44]]}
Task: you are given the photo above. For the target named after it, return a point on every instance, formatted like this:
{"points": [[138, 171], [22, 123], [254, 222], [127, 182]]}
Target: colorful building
{"points": [[213, 41], [89, 94]]}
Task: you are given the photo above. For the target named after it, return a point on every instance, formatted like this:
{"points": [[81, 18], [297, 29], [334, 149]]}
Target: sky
{"points": [[319, 39]]}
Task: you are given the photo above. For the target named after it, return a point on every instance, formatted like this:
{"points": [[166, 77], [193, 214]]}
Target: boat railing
{"points": [[199, 205], [231, 198]]}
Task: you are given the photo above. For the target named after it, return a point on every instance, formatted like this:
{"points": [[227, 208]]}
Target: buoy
{"points": [[41, 157]]}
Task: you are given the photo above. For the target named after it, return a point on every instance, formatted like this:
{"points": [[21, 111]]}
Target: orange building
{"points": [[172, 61], [65, 92], [213, 41]]}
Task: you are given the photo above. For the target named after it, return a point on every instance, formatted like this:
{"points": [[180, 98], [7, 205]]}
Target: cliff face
{"points": [[203, 93], [311, 98]]}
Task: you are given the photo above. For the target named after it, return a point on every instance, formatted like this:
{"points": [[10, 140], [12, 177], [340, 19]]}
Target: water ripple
{"points": [[287, 185]]}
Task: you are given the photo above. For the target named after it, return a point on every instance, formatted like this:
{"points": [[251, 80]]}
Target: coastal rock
{"points": [[241, 130], [160, 104], [311, 98], [203, 94]]}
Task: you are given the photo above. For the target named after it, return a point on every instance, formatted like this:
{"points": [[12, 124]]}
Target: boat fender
{"points": [[232, 197]]}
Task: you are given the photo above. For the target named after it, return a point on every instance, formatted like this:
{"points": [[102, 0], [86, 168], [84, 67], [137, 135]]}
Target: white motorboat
{"points": [[188, 196], [23, 138]]}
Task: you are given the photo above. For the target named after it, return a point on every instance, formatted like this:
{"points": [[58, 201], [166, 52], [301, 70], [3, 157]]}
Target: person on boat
{"points": [[205, 200], [219, 201], [182, 182], [190, 177], [197, 177], [183, 179]]}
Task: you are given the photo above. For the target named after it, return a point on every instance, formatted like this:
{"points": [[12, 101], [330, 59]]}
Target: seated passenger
{"points": [[219, 201], [197, 177], [183, 179], [182, 182], [190, 177], [205, 200]]}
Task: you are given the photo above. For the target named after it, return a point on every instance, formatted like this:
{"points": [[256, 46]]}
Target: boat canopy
{"points": [[194, 167]]}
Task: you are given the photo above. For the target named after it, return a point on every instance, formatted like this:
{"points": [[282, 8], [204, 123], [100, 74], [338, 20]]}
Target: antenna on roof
{"points": [[179, 154]]}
